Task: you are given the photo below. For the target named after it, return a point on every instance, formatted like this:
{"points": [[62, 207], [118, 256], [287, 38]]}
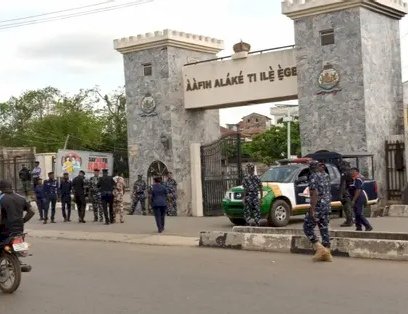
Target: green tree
{"points": [[18, 112], [114, 134], [272, 144]]}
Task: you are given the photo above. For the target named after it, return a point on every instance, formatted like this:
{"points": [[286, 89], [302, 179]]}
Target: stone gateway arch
{"points": [[345, 70]]}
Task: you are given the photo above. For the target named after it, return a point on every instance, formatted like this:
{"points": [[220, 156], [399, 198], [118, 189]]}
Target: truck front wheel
{"points": [[280, 214]]}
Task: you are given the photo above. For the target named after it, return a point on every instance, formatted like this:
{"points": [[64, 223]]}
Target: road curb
{"points": [[284, 242], [142, 239]]}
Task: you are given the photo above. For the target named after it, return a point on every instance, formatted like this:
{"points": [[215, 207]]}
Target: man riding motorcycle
{"points": [[12, 208]]}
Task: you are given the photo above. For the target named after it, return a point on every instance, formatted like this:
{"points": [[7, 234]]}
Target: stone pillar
{"points": [[196, 183], [159, 128], [349, 74], [405, 91]]}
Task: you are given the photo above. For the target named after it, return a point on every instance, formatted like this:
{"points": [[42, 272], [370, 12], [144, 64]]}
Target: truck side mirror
{"points": [[301, 179]]}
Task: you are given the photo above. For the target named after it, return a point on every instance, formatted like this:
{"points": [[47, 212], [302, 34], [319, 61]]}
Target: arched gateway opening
{"points": [[156, 169]]}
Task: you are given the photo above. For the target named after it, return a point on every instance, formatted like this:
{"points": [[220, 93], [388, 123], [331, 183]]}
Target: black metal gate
{"points": [[395, 168], [10, 168], [221, 169]]}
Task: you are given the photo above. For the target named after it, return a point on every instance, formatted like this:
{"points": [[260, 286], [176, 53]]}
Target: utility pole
{"points": [[288, 119], [66, 142]]}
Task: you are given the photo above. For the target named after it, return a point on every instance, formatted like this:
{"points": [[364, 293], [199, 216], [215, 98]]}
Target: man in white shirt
{"points": [[36, 173]]}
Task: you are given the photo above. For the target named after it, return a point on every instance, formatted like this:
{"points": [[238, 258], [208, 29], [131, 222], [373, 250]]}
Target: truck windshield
{"points": [[281, 174]]}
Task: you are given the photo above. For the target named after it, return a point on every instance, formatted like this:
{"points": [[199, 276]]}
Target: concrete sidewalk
{"points": [[192, 226], [180, 231], [142, 239]]}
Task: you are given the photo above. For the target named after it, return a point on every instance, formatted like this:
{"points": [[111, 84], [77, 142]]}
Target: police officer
{"points": [[106, 185], [95, 196], [345, 182], [40, 198], [50, 189], [118, 193], [78, 187], [171, 186], [320, 198], [358, 201], [65, 189], [25, 177], [139, 195], [252, 188]]}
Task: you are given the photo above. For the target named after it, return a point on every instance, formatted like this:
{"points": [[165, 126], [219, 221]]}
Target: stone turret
{"points": [[169, 38], [160, 130], [349, 74], [300, 8]]}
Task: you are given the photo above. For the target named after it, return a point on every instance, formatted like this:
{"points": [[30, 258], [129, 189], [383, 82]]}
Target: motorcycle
{"points": [[10, 265]]}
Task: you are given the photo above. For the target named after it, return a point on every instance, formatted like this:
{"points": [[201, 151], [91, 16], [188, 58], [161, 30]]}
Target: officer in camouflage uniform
{"points": [[95, 196], [139, 195], [118, 193], [252, 188], [171, 186], [318, 214]]}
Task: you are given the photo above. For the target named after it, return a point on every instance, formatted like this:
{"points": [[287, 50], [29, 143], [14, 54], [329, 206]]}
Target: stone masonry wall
{"points": [[331, 121], [187, 126], [405, 89], [382, 84], [366, 54], [182, 127]]}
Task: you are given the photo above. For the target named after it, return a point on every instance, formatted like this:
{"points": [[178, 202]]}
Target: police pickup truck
{"points": [[283, 193]]}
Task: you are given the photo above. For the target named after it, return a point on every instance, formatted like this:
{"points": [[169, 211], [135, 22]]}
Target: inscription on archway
{"points": [[258, 78]]}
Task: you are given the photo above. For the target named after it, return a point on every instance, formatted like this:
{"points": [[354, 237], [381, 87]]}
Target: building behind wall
{"points": [[249, 126]]}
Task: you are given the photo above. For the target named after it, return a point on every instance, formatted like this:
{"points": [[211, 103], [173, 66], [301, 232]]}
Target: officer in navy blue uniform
{"points": [[51, 195], [358, 201], [65, 189]]}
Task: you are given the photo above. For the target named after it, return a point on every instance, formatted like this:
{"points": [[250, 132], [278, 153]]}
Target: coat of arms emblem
{"points": [[328, 80], [148, 105]]}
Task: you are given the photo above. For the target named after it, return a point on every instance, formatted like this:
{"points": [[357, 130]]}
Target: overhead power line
{"points": [[56, 12], [72, 15]]}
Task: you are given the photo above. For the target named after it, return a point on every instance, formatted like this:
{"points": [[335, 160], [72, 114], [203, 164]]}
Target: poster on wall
{"points": [[72, 161]]}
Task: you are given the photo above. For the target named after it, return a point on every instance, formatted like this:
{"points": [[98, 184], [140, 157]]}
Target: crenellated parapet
{"points": [[296, 9], [169, 38]]}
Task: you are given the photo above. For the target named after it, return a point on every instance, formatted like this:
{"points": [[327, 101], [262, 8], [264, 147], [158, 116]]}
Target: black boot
{"points": [[347, 223]]}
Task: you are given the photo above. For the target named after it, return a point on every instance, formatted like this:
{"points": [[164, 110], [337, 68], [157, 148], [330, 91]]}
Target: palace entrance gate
{"points": [[347, 101]]}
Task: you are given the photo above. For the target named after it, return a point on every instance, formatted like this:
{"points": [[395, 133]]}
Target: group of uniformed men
{"points": [[105, 193], [141, 190], [320, 199]]}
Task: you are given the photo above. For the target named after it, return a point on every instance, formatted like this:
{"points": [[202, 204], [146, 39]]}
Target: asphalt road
{"points": [[89, 277]]}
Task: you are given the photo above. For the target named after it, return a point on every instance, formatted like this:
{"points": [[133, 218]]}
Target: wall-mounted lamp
{"points": [[165, 141]]}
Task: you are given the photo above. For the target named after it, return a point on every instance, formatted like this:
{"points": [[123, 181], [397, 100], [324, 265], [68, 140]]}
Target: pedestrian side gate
{"points": [[10, 168], [395, 168], [221, 169]]}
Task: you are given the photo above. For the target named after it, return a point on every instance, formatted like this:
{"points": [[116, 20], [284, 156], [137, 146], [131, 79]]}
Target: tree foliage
{"points": [[45, 117], [272, 144]]}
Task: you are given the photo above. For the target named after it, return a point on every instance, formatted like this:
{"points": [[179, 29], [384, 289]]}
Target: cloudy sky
{"points": [[77, 53]]}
